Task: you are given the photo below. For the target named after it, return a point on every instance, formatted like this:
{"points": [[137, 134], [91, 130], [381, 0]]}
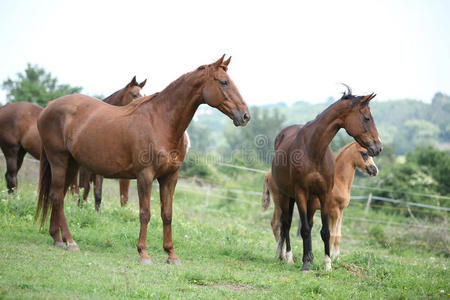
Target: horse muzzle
{"points": [[372, 170], [241, 118], [374, 148]]}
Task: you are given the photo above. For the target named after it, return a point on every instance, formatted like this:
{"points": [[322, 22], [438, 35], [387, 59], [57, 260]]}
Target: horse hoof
{"points": [[145, 261], [305, 267], [59, 244], [174, 261], [72, 247]]}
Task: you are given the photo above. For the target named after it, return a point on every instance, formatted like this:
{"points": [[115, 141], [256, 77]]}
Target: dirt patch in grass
{"points": [[356, 270]]}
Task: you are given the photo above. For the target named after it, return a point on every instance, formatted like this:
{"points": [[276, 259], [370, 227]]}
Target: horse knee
{"points": [[305, 232], [166, 218], [144, 216]]}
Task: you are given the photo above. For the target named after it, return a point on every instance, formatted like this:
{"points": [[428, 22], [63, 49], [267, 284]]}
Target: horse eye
{"points": [[223, 83], [135, 95], [364, 155], [367, 119]]}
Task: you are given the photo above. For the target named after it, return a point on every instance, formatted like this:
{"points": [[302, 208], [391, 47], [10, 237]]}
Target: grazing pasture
{"points": [[227, 247]]}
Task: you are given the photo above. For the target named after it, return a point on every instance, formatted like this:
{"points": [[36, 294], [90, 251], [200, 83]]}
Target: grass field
{"points": [[226, 247]]}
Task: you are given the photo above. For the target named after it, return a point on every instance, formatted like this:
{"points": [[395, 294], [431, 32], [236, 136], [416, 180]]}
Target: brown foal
{"points": [[349, 158], [142, 140], [303, 167], [120, 98]]}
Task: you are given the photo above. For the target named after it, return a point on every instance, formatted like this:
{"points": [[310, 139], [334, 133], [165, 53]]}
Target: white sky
{"points": [[282, 50]]}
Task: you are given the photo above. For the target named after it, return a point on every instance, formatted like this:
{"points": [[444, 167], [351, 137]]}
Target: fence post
{"points": [[366, 210], [207, 195], [369, 200]]}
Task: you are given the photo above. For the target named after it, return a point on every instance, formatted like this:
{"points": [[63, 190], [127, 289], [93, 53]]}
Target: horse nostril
{"points": [[245, 117]]}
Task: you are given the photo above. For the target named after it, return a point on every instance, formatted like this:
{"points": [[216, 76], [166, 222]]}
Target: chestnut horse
{"points": [[303, 167], [120, 98], [18, 135], [142, 140], [349, 157]]}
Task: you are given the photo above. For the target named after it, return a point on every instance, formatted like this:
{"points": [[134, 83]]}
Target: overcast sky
{"points": [[282, 50]]}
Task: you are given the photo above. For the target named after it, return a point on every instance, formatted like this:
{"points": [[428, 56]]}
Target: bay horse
{"points": [[142, 140], [303, 167], [349, 158], [120, 98], [18, 136]]}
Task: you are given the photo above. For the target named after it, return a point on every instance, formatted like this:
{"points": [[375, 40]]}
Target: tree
{"points": [[37, 86], [255, 141]]}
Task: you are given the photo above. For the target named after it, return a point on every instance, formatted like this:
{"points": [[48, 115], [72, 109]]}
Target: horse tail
{"points": [[265, 200], [45, 179]]}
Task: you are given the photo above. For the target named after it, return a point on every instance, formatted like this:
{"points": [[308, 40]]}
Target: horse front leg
{"points": [[166, 188], [305, 230], [144, 184], [333, 219], [325, 211], [337, 241]]}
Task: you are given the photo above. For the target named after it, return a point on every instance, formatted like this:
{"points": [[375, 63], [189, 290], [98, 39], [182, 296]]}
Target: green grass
{"points": [[227, 250]]}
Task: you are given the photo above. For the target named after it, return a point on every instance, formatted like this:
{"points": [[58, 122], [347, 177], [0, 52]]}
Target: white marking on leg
{"points": [[327, 261], [289, 258]]}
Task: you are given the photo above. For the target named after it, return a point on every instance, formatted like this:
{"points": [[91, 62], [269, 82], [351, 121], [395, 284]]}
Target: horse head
{"points": [[359, 122], [219, 91]]}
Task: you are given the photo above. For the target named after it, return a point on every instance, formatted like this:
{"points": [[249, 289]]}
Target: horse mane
{"points": [[344, 149], [135, 104], [112, 95]]}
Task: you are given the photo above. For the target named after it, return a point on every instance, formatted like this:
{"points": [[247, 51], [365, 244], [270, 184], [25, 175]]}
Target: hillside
{"points": [[404, 123]]}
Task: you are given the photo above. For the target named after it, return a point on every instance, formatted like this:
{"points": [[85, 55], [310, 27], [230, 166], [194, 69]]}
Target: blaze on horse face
{"points": [[220, 92], [360, 125]]}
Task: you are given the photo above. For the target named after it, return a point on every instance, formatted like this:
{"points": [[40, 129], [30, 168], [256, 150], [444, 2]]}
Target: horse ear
{"points": [[141, 85], [219, 62], [227, 62], [132, 82], [366, 99]]}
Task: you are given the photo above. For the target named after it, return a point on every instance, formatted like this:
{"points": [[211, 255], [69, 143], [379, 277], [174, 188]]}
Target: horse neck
{"points": [[324, 128], [345, 168], [176, 105], [115, 99]]}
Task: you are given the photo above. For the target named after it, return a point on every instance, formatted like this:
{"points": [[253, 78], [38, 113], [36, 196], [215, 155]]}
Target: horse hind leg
{"points": [[276, 224], [63, 168], [84, 183], [124, 187], [14, 158], [98, 184], [286, 226]]}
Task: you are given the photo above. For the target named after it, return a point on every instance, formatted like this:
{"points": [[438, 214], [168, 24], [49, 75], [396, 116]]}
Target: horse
{"points": [[18, 136], [303, 167], [120, 98], [349, 158], [143, 140]]}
